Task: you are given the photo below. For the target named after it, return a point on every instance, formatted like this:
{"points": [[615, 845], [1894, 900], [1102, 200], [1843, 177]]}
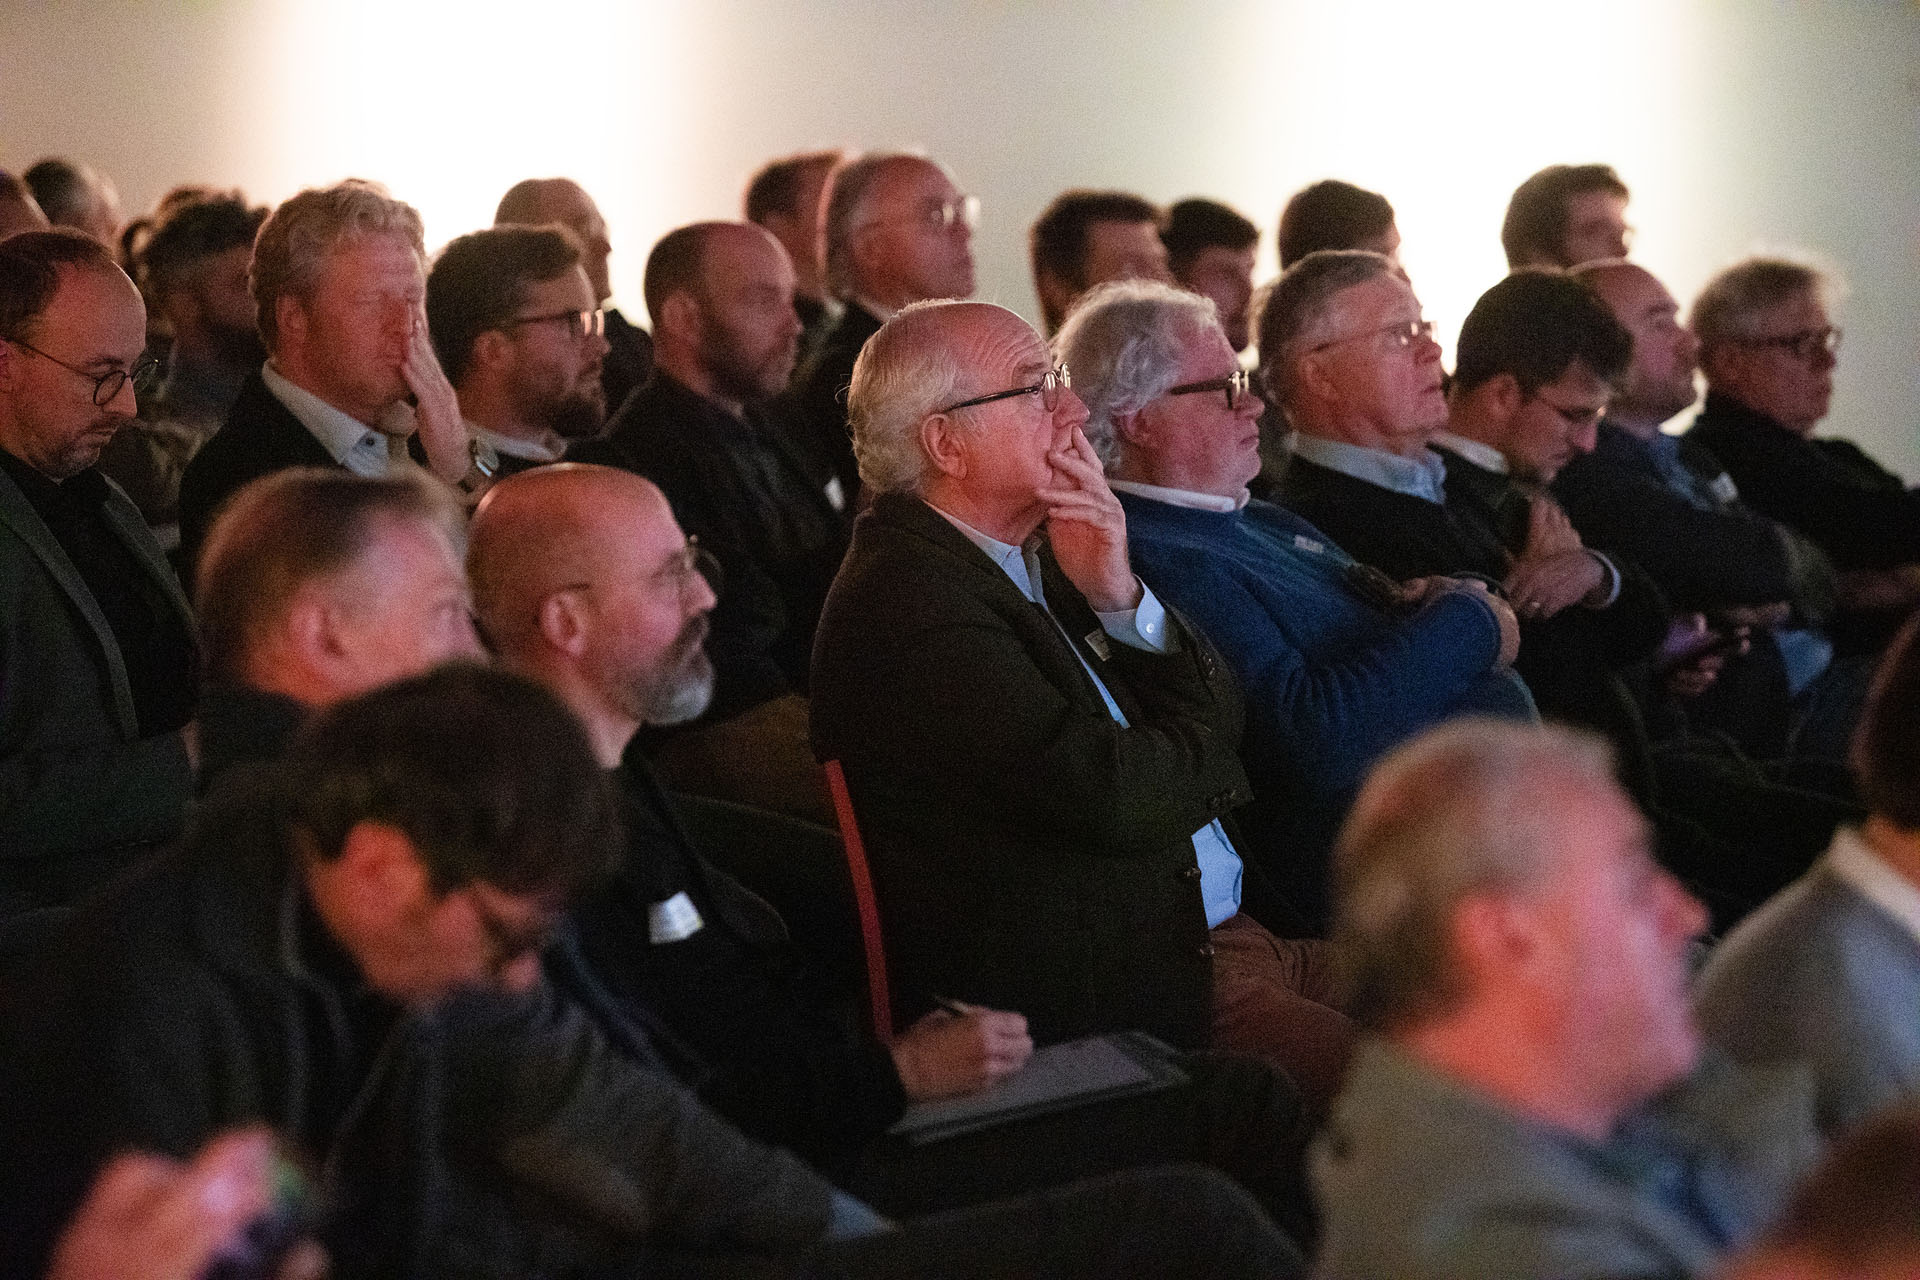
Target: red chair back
{"points": [[869, 907]]}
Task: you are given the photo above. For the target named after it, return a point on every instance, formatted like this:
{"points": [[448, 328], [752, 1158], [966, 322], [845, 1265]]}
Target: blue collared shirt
{"points": [[1421, 477], [1142, 627]]}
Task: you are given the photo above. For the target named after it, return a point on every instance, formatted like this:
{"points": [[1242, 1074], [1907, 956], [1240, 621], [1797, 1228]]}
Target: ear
{"points": [[940, 437], [289, 318], [380, 876], [491, 350], [1492, 934], [681, 315], [1134, 427], [1502, 395], [563, 622], [1311, 377], [8, 363], [311, 626]]}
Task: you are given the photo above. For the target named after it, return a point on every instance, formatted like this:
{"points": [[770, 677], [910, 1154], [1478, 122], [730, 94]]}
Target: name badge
{"points": [[1308, 545], [1097, 641], [1724, 488], [836, 495], [674, 920]]}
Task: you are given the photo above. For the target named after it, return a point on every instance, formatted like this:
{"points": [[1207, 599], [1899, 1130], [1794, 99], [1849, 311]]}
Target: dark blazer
{"points": [[628, 362], [1860, 514], [76, 777], [815, 406], [259, 437], [1029, 852]]}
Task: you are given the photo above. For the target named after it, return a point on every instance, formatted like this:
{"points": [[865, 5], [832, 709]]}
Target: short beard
{"points": [[687, 688], [579, 416]]}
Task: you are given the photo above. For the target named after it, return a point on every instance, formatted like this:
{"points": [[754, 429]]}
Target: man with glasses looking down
{"points": [[97, 656], [897, 231], [1039, 752]]}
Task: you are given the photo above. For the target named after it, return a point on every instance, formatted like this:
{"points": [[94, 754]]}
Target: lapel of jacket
{"points": [[18, 515], [127, 525]]}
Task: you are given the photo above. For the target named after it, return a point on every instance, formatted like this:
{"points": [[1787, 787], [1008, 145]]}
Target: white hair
{"points": [[899, 381], [1124, 342]]}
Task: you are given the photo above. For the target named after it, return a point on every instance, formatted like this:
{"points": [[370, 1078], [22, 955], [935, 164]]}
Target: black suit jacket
{"points": [[815, 406], [628, 362], [1030, 853], [259, 437]]}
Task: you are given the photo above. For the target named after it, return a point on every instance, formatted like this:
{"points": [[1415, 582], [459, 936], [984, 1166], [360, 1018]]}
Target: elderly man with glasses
{"points": [[97, 656], [1039, 752], [1340, 662]]}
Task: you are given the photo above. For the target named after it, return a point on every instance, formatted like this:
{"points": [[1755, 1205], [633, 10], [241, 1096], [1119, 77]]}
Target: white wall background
{"points": [[1740, 124]]}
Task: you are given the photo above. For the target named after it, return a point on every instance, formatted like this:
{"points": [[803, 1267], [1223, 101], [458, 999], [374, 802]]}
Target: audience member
{"points": [[1768, 351], [537, 201], [1532, 1103], [895, 230], [19, 211], [317, 586], [1829, 971], [1040, 788], [1339, 662], [725, 333], [788, 198], [521, 339], [96, 640], [1210, 250], [194, 269], [1331, 214], [1565, 215], [339, 288], [79, 196], [1085, 238]]}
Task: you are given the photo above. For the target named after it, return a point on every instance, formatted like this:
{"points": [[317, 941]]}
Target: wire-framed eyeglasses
{"points": [[106, 386], [1057, 379]]}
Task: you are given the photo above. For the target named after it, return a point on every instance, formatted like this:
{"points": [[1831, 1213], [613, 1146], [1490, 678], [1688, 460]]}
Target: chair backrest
{"points": [[863, 897]]}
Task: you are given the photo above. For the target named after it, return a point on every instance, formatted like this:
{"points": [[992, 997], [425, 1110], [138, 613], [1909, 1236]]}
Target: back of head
{"points": [[285, 530], [480, 281], [1331, 214], [1194, 225], [529, 201], [777, 186], [194, 230], [905, 372], [1057, 242], [489, 777], [64, 189], [297, 237], [850, 187], [1534, 231], [1536, 325], [1886, 743], [1299, 306], [1727, 307], [19, 211], [1454, 813], [676, 262], [1124, 342], [30, 268]]}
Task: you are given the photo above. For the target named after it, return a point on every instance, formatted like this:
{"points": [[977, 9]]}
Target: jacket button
{"points": [[1205, 949], [1190, 873]]}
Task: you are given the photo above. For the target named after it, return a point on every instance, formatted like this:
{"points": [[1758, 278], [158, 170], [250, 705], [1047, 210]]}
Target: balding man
{"points": [[1522, 962], [1040, 753], [788, 197], [77, 195], [725, 333], [535, 201], [896, 231]]}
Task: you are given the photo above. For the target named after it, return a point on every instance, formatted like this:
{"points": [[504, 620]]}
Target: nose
{"points": [[1071, 411], [1250, 405], [466, 641], [521, 974], [1823, 359], [1686, 916], [1585, 436], [125, 402]]}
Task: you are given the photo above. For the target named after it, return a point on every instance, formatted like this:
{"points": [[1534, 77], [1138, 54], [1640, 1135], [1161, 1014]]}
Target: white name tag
{"points": [[1724, 488], [1308, 545], [674, 920], [1097, 641], [836, 495]]}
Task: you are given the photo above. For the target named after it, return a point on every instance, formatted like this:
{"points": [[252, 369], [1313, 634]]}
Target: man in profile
{"points": [[788, 197], [1565, 215], [1331, 214], [1210, 250], [77, 195], [1084, 238]]}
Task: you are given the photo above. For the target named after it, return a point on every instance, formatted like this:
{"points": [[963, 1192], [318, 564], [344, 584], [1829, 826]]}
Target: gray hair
{"points": [[849, 191], [1727, 307], [1295, 312], [297, 237], [1123, 342], [899, 381], [1457, 812]]}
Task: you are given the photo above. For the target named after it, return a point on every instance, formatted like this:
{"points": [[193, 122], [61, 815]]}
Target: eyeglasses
{"points": [[1577, 416], [938, 215], [1406, 335], [1804, 344], [105, 385], [692, 563], [1048, 389], [580, 324], [1236, 384]]}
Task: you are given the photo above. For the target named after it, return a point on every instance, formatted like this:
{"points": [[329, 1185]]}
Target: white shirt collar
{"points": [[1479, 453], [1853, 860], [548, 448], [1179, 497], [1421, 477], [353, 444]]}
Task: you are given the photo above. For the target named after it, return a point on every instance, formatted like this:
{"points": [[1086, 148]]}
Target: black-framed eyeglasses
{"points": [[590, 323], [105, 385], [1057, 379], [1804, 345], [1406, 335], [1575, 416], [1236, 384]]}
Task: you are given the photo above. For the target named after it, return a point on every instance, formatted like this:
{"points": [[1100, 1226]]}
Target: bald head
{"points": [[540, 201], [1659, 381]]}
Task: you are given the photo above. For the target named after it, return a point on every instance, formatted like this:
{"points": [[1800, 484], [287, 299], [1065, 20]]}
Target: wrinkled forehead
{"points": [[910, 181], [991, 343]]}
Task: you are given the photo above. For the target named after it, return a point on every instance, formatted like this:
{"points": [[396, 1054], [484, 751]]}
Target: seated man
{"points": [[1565, 215], [76, 195], [1768, 349], [339, 283], [1210, 250], [725, 332], [788, 197], [1339, 663], [1331, 214], [584, 583], [317, 586], [1530, 1105], [1085, 238], [1829, 971], [1040, 754], [514, 323]]}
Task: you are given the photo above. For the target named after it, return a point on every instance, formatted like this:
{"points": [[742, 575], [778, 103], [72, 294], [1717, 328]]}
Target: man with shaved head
{"points": [[1039, 752], [897, 231], [725, 333], [537, 201]]}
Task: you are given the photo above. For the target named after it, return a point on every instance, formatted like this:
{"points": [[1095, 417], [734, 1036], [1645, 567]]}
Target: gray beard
{"points": [[684, 698]]}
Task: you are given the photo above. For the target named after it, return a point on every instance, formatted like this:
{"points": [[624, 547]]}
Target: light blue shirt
{"points": [[1421, 477], [353, 444], [1142, 627]]}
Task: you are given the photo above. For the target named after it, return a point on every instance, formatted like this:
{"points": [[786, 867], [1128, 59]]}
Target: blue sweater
{"points": [[1332, 681]]}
